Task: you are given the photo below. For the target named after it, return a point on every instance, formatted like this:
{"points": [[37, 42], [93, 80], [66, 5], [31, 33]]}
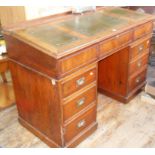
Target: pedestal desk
{"points": [[58, 63]]}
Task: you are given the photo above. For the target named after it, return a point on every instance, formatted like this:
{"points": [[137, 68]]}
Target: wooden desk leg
{"points": [[3, 77]]}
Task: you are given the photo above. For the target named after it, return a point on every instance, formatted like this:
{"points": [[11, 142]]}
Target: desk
{"points": [[59, 63]]}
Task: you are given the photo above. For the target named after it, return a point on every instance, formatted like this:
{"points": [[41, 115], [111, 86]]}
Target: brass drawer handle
{"points": [[81, 123], [139, 64], [80, 81], [80, 102], [138, 80], [141, 48]]}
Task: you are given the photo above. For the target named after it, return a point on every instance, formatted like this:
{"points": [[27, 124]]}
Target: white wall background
{"points": [[36, 12]]}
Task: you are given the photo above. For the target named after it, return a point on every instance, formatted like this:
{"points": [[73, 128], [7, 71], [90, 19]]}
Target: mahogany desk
{"points": [[58, 63]]}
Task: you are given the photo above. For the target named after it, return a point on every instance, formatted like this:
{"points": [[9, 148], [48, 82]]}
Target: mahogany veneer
{"points": [[58, 63]]}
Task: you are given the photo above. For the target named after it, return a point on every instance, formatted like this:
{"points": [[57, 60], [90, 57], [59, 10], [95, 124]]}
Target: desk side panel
{"points": [[38, 104]]}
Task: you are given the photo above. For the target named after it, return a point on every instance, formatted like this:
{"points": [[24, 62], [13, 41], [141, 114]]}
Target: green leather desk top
{"points": [[61, 36]]}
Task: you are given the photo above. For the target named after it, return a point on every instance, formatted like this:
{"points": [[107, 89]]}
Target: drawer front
{"points": [[79, 124], [123, 39], [137, 80], [76, 83], [138, 64], [114, 42], [78, 59], [139, 49], [107, 46], [143, 30], [77, 104]]}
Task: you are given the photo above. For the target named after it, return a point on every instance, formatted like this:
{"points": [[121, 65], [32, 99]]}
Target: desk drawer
{"points": [[139, 49], [78, 82], [80, 123], [107, 46], [78, 103], [142, 30], [78, 59], [123, 38], [138, 64], [137, 80], [114, 42]]}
